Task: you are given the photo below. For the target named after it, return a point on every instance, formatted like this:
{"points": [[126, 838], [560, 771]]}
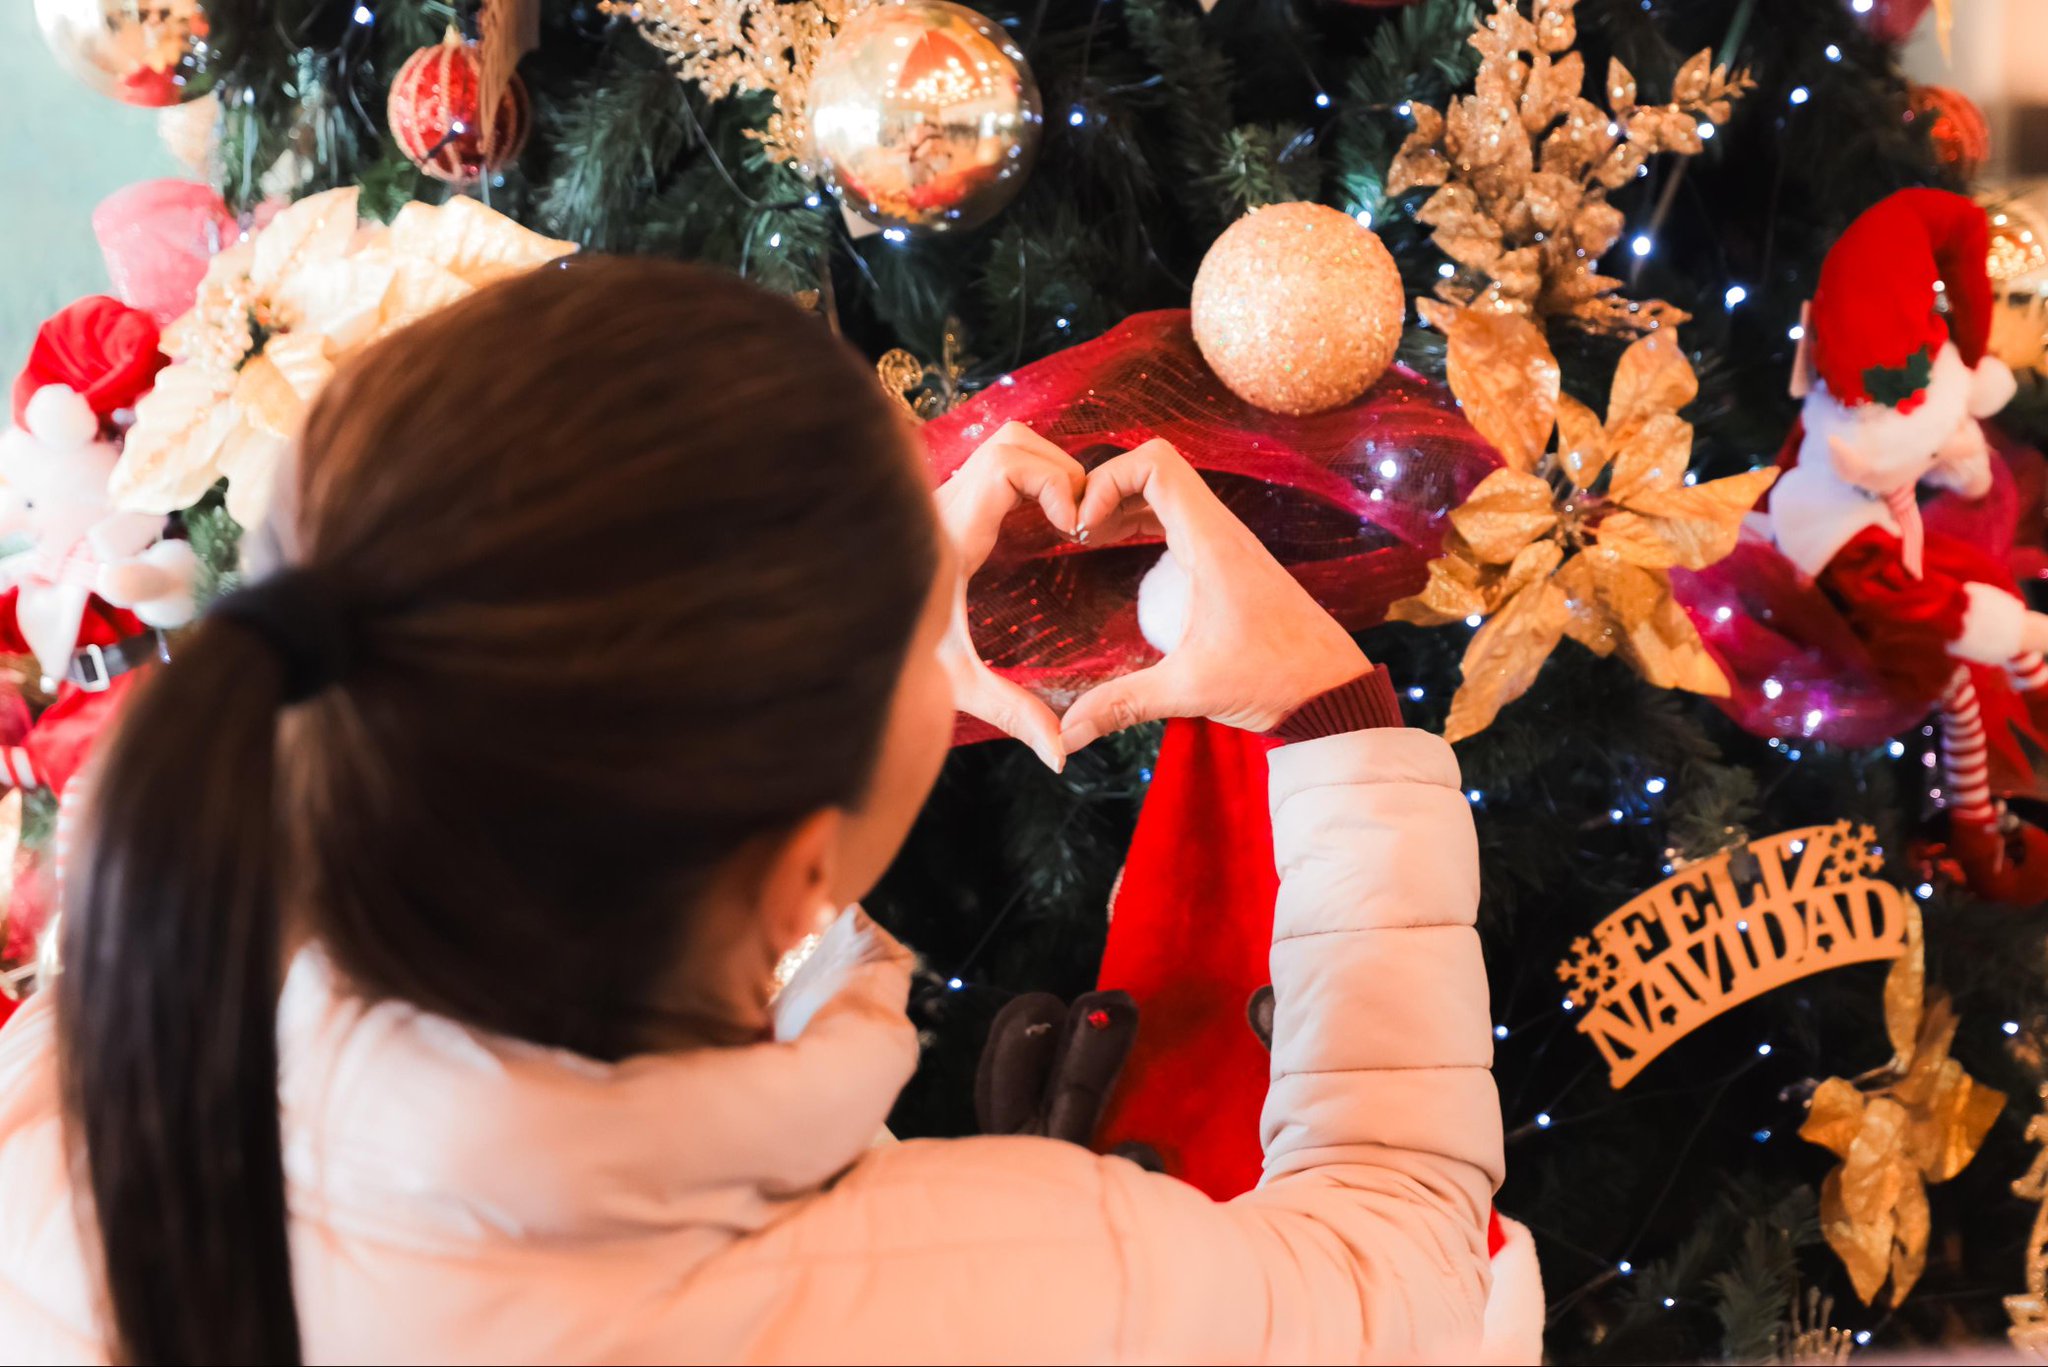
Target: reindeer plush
{"points": [[1894, 378]]}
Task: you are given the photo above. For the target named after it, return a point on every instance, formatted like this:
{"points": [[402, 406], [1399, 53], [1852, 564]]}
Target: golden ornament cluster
{"points": [[926, 391], [1298, 308], [1916, 1121], [737, 47], [1578, 541], [1523, 167]]}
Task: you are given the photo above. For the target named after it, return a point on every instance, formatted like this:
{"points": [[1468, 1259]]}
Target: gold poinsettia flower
{"points": [[1578, 540], [275, 314], [1917, 1121], [1524, 164]]}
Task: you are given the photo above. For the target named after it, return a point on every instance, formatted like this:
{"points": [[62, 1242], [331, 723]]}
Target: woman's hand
{"points": [[1014, 467], [1255, 647]]}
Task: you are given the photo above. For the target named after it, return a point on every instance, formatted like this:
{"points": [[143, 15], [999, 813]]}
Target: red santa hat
{"points": [[1874, 329], [99, 349]]}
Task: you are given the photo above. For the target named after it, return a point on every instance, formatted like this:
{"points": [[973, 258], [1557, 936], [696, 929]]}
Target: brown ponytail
{"points": [[629, 556]]}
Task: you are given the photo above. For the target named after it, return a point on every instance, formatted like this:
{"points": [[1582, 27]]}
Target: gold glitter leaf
{"points": [[1697, 524], [1505, 656], [1666, 649], [1451, 595], [1621, 86], [1556, 27], [1581, 441], [1589, 623], [1506, 512], [1503, 373], [1689, 87], [1649, 456]]}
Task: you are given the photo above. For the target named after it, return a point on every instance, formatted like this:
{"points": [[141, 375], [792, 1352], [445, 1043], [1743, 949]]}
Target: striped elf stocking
{"points": [[2028, 671], [1964, 753]]}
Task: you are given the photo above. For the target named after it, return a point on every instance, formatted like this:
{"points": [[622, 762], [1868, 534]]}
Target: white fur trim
{"points": [[1992, 626], [1895, 449], [58, 415], [1991, 387], [1163, 604], [1513, 1332], [1813, 514]]}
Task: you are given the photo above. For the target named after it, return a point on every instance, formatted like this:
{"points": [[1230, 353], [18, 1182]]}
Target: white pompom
{"points": [[1992, 387], [59, 416], [1163, 604]]}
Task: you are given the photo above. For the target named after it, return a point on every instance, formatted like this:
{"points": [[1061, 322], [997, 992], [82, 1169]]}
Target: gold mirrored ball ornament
{"points": [[1298, 308], [923, 116], [152, 53]]}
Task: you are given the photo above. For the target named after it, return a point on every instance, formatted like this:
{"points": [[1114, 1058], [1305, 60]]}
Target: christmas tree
{"points": [[1679, 1216]]}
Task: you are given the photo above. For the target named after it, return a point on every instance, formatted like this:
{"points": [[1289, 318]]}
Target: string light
{"points": [[895, 235], [1364, 217], [1568, 1006], [363, 15], [1389, 468], [1474, 620], [1670, 1301], [1447, 270], [1615, 814], [1415, 693], [2011, 1027], [1924, 891], [1075, 118], [1706, 132], [1625, 1267], [1654, 786], [1834, 53], [1723, 613], [1322, 99], [813, 201], [774, 240], [1795, 332], [1062, 324], [1542, 1120], [1735, 294], [1896, 749], [1863, 1335], [1764, 1050], [954, 984], [1773, 689], [1762, 1136], [1474, 796], [1800, 94], [1862, 6], [1500, 1032], [1641, 246]]}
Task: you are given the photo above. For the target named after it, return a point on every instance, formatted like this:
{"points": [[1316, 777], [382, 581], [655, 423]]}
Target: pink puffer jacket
{"points": [[460, 1197]]}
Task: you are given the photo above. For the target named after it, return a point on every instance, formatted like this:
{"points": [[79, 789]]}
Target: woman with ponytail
{"points": [[418, 996]]}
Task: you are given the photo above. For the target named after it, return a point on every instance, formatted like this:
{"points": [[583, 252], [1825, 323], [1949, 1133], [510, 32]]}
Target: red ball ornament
{"points": [[1892, 21], [433, 111], [1955, 127]]}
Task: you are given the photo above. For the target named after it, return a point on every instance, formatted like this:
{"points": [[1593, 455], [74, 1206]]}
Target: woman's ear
{"points": [[797, 875]]}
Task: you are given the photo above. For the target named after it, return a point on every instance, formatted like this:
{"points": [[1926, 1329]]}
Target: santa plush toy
{"points": [[1895, 378], [91, 592]]}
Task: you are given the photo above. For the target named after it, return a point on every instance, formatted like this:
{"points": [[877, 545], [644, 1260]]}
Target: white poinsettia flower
{"points": [[276, 314]]}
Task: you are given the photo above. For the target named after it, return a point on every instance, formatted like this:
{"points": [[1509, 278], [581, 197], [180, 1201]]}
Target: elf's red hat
{"points": [[1873, 329], [98, 347]]}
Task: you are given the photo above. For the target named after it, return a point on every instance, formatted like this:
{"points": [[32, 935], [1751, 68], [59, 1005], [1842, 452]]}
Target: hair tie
{"points": [[298, 617]]}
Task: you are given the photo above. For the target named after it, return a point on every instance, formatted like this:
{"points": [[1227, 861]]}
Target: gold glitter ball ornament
{"points": [[1298, 308], [152, 53], [923, 116]]}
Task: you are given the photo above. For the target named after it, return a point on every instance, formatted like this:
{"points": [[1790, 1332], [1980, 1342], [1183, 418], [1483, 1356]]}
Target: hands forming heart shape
{"points": [[1255, 646]]}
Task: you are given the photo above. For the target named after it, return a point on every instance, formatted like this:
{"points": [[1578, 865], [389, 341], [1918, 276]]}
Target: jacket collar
{"points": [[401, 1124]]}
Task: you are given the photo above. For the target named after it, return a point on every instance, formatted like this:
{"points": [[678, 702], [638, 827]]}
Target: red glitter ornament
{"points": [[1955, 127], [434, 115]]}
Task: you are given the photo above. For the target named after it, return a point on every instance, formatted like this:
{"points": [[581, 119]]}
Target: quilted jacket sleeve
{"points": [[1365, 1240]]}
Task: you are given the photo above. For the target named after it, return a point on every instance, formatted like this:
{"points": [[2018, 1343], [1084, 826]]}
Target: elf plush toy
{"points": [[90, 594], [1895, 377]]}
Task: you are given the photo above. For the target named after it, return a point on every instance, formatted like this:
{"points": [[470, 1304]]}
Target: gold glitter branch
{"points": [[1919, 1121], [733, 47], [1523, 167]]}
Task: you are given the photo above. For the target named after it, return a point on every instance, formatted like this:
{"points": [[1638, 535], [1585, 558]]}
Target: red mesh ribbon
{"points": [[1352, 501], [1799, 670]]}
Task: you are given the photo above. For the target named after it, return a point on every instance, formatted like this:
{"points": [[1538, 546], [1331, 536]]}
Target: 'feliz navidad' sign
{"points": [[1705, 939]]}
